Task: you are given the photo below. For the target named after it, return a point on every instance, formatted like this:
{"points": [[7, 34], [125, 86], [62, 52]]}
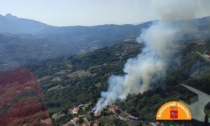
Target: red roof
{"points": [[75, 110]]}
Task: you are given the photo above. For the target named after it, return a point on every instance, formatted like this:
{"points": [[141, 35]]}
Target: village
{"points": [[83, 116]]}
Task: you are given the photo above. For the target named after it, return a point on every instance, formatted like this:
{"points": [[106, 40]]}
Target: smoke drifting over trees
{"points": [[158, 39]]}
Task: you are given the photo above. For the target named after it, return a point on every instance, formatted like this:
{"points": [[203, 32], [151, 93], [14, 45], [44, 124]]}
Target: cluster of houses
{"points": [[75, 110], [113, 108]]}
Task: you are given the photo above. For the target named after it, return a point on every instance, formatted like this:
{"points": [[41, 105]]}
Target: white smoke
{"points": [[151, 65]]}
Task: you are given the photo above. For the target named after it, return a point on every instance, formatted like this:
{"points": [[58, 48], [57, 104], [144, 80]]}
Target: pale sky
{"points": [[78, 12], [98, 12]]}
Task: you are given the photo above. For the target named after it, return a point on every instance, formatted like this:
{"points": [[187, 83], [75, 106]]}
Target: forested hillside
{"points": [[79, 79]]}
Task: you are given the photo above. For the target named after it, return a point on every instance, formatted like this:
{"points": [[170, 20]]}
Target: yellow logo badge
{"points": [[173, 111]]}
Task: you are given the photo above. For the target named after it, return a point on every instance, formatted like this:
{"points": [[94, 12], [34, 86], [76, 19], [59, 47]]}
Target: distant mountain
{"points": [[77, 38], [13, 24], [203, 20], [32, 41], [24, 41], [18, 50], [95, 36]]}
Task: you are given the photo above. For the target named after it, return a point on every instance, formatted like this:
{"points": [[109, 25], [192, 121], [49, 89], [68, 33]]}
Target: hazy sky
{"points": [[78, 12], [82, 12]]}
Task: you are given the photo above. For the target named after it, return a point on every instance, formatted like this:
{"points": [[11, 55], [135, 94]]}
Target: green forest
{"points": [[79, 79]]}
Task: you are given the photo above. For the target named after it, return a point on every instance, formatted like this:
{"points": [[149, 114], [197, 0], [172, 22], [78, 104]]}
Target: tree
{"points": [[80, 120]]}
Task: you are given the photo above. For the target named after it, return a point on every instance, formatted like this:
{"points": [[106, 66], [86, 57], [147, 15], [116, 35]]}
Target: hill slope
{"points": [[79, 79], [18, 89], [19, 50], [33, 41]]}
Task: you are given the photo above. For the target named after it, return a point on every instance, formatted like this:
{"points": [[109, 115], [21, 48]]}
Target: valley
{"points": [[78, 80], [56, 75]]}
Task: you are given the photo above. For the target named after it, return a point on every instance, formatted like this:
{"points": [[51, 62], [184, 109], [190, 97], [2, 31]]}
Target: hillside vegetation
{"points": [[71, 81], [32, 41]]}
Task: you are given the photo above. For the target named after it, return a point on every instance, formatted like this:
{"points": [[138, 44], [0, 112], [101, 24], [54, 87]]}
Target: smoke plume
{"points": [[152, 63]]}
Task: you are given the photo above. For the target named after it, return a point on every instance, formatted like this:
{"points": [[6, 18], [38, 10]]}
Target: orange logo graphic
{"points": [[173, 111]]}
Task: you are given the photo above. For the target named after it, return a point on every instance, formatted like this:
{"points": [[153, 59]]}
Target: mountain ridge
{"points": [[13, 24], [35, 41]]}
